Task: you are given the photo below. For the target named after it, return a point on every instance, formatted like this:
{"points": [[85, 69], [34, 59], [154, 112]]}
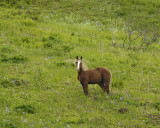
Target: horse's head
{"points": [[79, 64]]}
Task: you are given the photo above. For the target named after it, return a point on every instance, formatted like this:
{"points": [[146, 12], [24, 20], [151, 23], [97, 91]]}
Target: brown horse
{"points": [[100, 76]]}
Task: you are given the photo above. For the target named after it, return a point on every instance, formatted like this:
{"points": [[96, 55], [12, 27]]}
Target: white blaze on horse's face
{"points": [[78, 65]]}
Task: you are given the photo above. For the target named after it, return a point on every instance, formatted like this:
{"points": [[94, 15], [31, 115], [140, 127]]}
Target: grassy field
{"points": [[39, 42]]}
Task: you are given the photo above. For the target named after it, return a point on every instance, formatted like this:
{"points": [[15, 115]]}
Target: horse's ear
{"points": [[81, 57], [77, 57]]}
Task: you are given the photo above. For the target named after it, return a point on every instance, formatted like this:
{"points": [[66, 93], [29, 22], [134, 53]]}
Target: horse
{"points": [[100, 76]]}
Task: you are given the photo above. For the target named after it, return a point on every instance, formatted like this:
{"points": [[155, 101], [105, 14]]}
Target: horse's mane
{"points": [[84, 67]]}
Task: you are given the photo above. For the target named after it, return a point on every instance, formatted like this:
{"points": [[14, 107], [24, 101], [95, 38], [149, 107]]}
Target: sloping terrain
{"points": [[39, 42]]}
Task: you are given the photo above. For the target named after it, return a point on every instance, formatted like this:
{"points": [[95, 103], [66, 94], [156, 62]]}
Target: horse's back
{"points": [[104, 72], [98, 74], [100, 70], [94, 76]]}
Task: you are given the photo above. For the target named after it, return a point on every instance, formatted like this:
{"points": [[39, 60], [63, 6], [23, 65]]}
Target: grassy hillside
{"points": [[39, 42]]}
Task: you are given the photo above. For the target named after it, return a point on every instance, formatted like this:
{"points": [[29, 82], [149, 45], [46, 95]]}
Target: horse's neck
{"points": [[80, 75], [81, 72], [84, 68]]}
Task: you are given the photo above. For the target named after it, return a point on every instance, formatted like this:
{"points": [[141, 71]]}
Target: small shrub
{"points": [[122, 12], [6, 50], [157, 106], [4, 58], [33, 13], [52, 38], [50, 41], [123, 110], [15, 59], [6, 83], [134, 64], [26, 39], [18, 82], [12, 82], [18, 59], [48, 45], [67, 48], [25, 108], [10, 125], [61, 50]]}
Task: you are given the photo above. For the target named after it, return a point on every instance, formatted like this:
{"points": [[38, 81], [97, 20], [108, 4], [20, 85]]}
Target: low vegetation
{"points": [[39, 42]]}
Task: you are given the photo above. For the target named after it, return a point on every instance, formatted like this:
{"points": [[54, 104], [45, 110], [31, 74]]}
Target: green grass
{"points": [[39, 42]]}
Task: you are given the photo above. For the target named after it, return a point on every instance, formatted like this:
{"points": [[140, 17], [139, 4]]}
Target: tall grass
{"points": [[38, 78]]}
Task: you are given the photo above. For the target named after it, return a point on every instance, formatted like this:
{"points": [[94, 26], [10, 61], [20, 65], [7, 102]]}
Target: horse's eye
{"points": [[76, 62]]}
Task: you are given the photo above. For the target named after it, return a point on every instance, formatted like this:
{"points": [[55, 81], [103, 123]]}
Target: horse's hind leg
{"points": [[107, 86], [85, 88], [107, 80], [102, 86]]}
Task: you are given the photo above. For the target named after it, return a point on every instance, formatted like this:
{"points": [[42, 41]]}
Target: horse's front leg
{"points": [[85, 87]]}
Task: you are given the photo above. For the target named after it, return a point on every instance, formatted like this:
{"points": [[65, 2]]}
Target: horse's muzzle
{"points": [[78, 70]]}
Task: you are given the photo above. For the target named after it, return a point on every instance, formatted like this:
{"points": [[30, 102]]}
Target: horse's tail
{"points": [[110, 82]]}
